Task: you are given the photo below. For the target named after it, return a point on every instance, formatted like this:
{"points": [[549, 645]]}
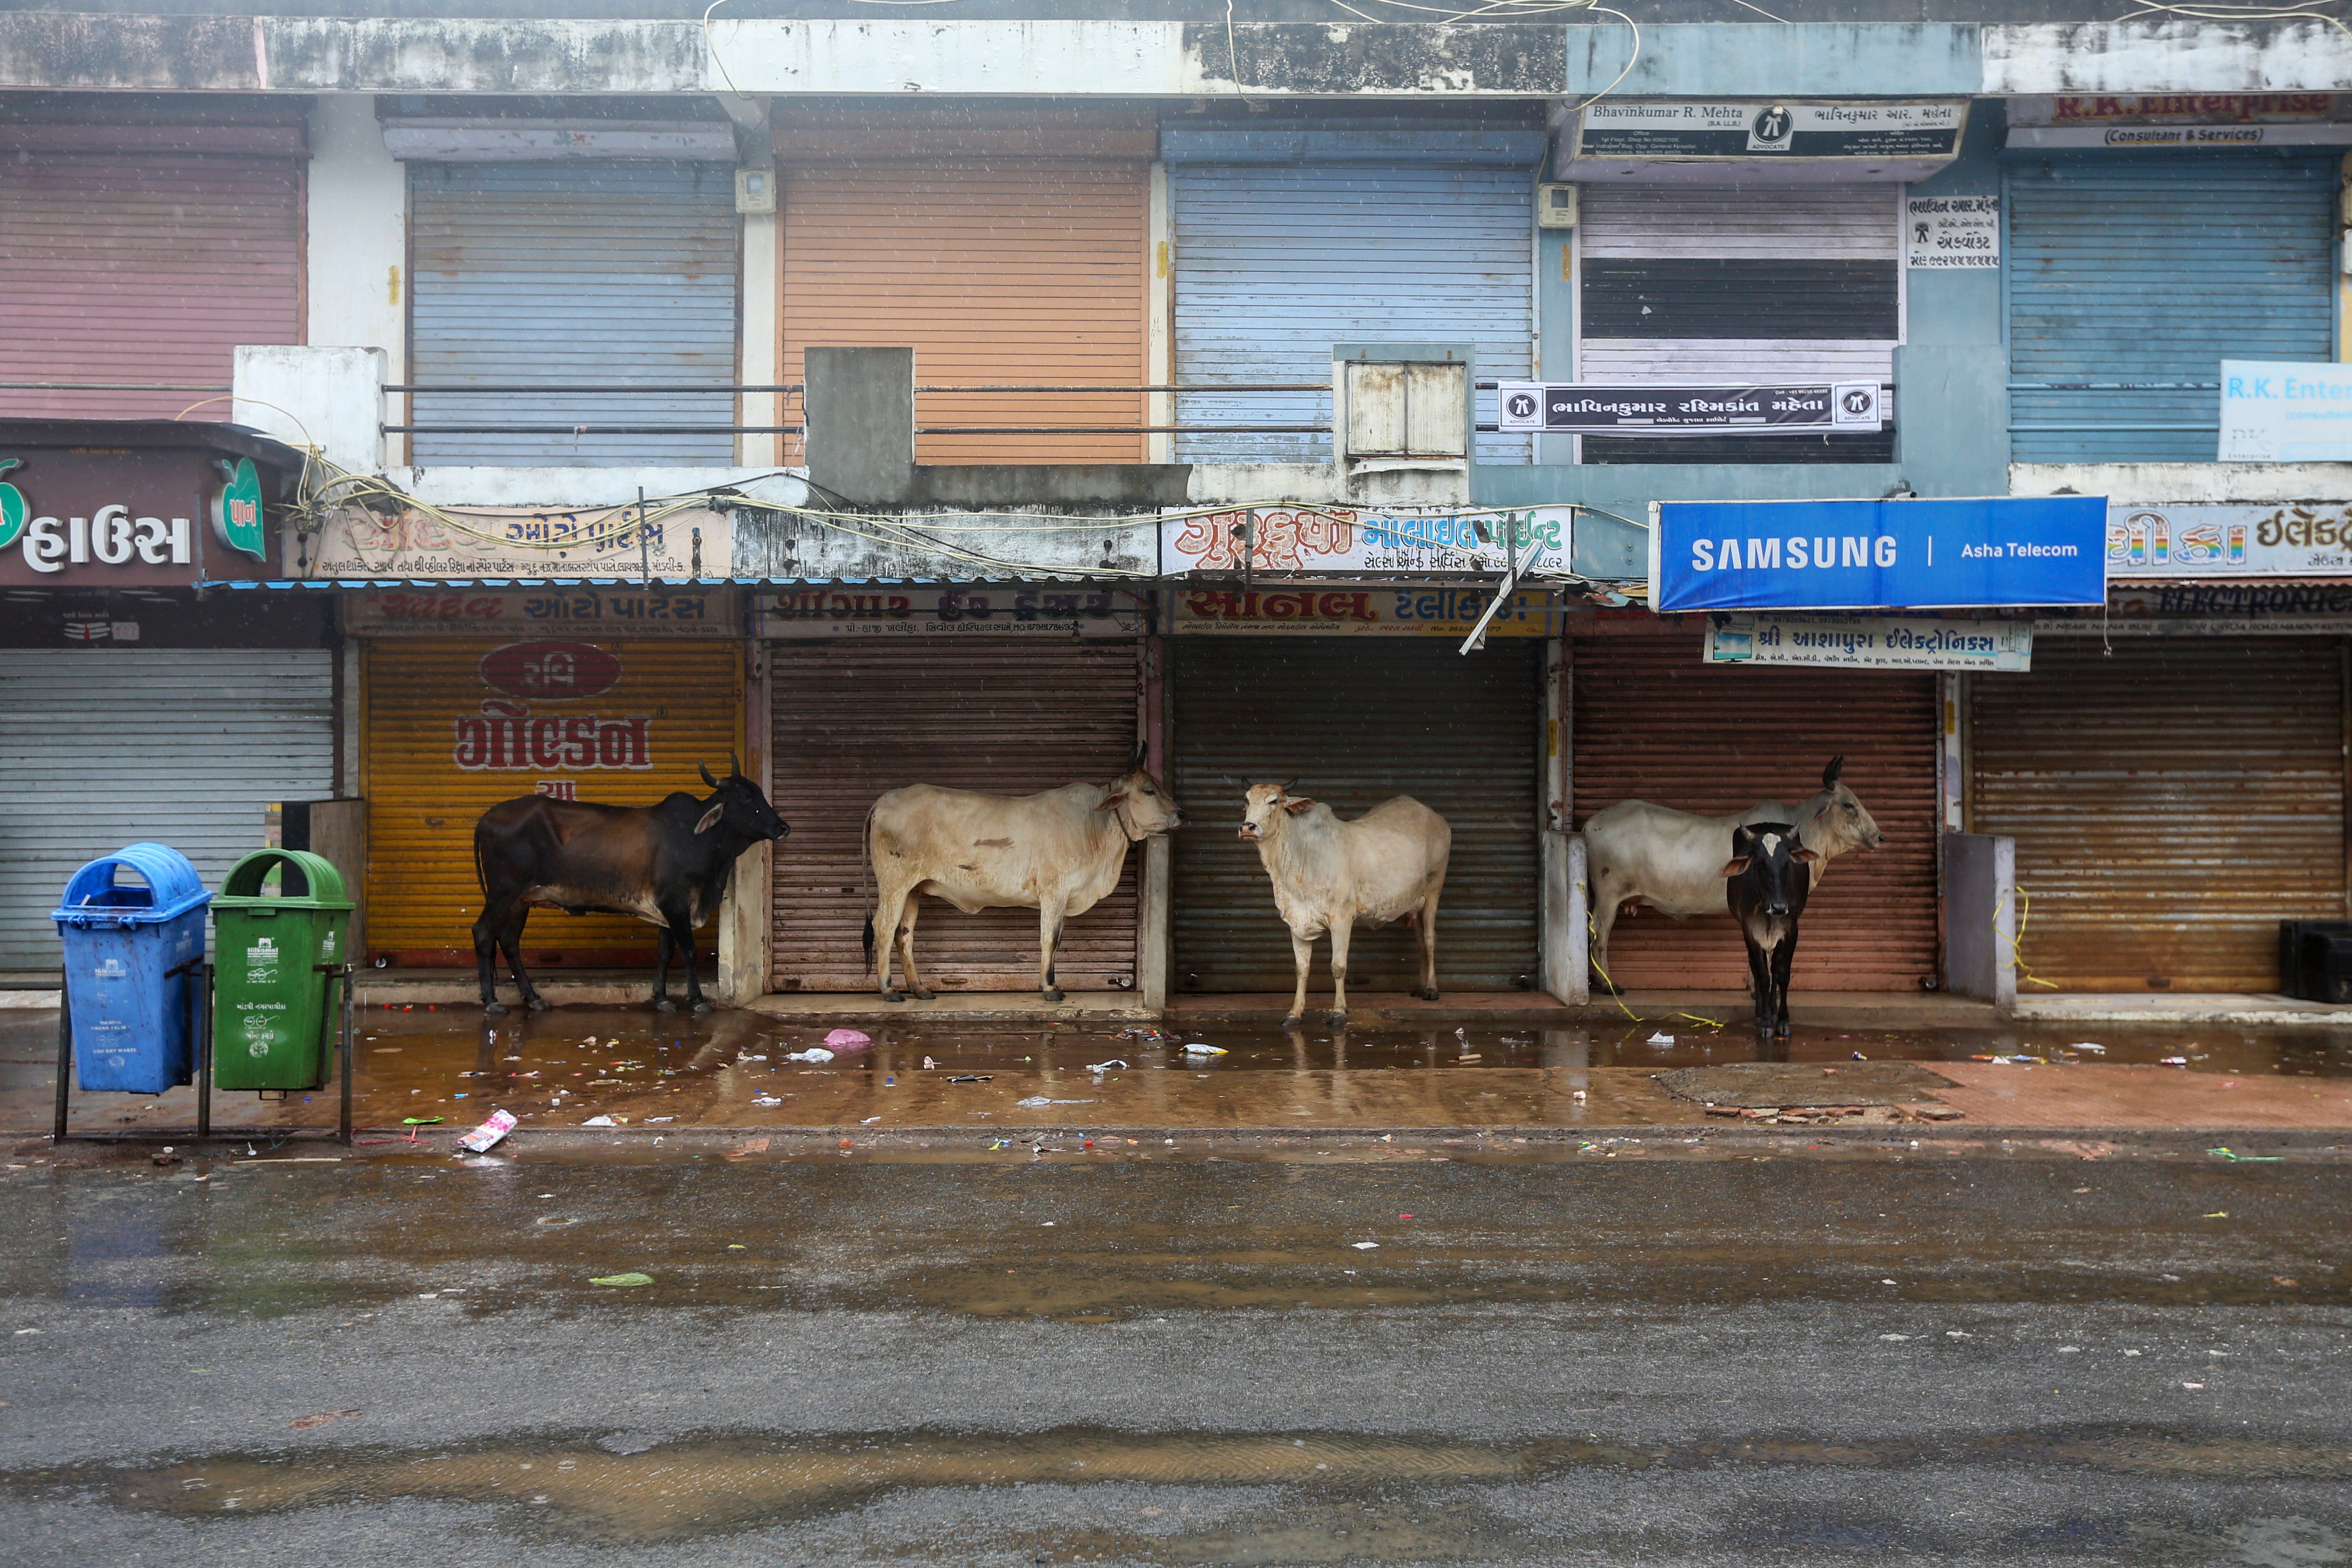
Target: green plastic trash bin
{"points": [[271, 1005]]}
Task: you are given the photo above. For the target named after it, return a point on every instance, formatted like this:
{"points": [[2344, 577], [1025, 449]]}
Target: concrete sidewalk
{"points": [[449, 1068]]}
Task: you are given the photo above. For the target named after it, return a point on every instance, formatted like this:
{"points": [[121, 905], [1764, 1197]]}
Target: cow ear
{"points": [[1736, 868], [1110, 801], [1296, 804], [710, 818], [1807, 856]]}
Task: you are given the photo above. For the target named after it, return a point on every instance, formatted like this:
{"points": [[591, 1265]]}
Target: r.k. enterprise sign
{"points": [[1877, 554]]}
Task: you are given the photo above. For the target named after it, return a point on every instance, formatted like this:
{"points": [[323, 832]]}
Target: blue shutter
{"points": [[573, 273], [2154, 267], [1277, 263]]}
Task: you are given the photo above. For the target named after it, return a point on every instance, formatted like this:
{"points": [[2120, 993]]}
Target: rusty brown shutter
{"points": [[853, 720], [424, 699], [2171, 802], [142, 268], [1358, 722], [1655, 723], [1026, 271]]}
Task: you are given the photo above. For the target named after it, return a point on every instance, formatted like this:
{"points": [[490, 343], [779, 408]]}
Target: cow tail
{"points": [[865, 879], [481, 876]]}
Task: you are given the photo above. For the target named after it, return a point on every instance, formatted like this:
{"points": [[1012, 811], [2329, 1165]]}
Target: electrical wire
{"points": [[2223, 11]]}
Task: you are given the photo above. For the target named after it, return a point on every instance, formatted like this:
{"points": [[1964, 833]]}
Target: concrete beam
{"points": [[1812, 58], [2167, 57]]}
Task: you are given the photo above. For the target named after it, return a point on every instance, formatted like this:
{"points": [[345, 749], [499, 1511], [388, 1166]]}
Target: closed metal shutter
{"points": [[442, 745], [1738, 287], [1005, 271], [2136, 268], [1288, 241], [2172, 802], [569, 274], [146, 268], [1655, 723], [104, 747], [853, 720], [1358, 724]]}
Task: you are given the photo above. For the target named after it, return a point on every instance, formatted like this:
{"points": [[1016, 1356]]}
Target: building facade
{"points": [[975, 401]]}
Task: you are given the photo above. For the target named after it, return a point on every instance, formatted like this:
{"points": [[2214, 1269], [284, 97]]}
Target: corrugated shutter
{"points": [[2154, 267], [1358, 722], [1276, 263], [424, 699], [853, 719], [1731, 286], [2172, 802], [1002, 271], [1655, 723], [142, 268], [103, 747], [573, 273]]}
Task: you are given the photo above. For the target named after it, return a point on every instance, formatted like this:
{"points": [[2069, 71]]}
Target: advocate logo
{"points": [[1771, 131]]}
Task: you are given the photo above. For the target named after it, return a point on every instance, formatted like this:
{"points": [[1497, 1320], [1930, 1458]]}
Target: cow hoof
{"points": [[494, 1010], [664, 1004], [700, 1005], [537, 1004], [894, 996], [927, 996], [1292, 1021], [1426, 992], [1339, 1019], [1055, 995]]}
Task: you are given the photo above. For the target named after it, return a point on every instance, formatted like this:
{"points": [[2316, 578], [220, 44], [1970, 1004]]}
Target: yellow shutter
{"points": [[433, 764]]}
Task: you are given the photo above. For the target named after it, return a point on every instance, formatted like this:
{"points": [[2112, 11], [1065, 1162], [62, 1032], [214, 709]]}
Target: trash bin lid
{"points": [[172, 889], [322, 884]]}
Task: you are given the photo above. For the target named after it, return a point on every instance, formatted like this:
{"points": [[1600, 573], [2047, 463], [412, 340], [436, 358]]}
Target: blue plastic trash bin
{"points": [[131, 1015]]}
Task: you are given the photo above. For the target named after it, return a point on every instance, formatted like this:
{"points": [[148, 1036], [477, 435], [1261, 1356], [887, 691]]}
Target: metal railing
{"points": [[673, 389]]}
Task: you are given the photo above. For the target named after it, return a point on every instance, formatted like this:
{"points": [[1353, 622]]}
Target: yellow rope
{"points": [[2016, 951], [1592, 930]]}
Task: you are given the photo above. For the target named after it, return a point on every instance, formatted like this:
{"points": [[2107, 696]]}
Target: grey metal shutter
{"points": [[1699, 284], [1357, 722], [103, 747], [1275, 262], [855, 717], [571, 273], [2172, 800], [2127, 268]]}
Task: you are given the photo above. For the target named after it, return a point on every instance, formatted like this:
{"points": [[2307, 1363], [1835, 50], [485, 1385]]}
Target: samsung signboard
{"points": [[1878, 554]]}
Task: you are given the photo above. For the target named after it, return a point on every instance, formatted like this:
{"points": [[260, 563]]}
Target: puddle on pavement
{"points": [[1344, 1493]]}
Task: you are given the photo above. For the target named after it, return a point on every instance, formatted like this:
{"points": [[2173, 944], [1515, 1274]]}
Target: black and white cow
{"points": [[1766, 882]]}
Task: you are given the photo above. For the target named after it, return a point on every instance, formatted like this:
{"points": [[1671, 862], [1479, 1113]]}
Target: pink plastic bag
{"points": [[848, 1040], [480, 1139]]}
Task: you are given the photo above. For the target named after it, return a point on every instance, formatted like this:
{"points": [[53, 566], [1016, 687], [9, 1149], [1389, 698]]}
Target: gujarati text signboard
{"points": [[1634, 127], [1344, 541], [573, 612], [1860, 642], [2290, 538], [1793, 409], [500, 542], [903, 610], [1444, 612], [1877, 554]]}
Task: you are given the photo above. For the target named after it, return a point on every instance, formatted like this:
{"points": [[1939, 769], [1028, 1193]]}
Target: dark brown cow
{"points": [[665, 864]]}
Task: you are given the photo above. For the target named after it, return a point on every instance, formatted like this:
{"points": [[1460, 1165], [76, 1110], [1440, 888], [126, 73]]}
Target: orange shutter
{"points": [[433, 764], [997, 270]]}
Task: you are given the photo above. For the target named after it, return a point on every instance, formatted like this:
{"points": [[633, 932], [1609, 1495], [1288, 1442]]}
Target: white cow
{"points": [[1058, 852], [1329, 875], [1673, 860]]}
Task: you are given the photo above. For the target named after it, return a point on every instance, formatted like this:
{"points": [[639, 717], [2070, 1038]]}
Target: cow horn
{"points": [[1830, 773], [704, 768], [1135, 762], [734, 764], [1291, 780]]}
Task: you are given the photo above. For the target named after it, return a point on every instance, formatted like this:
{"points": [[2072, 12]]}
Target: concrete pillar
{"points": [[355, 282]]}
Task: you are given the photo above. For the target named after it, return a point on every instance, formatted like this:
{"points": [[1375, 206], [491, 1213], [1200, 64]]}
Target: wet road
{"points": [[1701, 1352]]}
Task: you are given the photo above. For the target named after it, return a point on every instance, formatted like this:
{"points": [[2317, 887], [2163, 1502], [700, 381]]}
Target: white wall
{"points": [[358, 240]]}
